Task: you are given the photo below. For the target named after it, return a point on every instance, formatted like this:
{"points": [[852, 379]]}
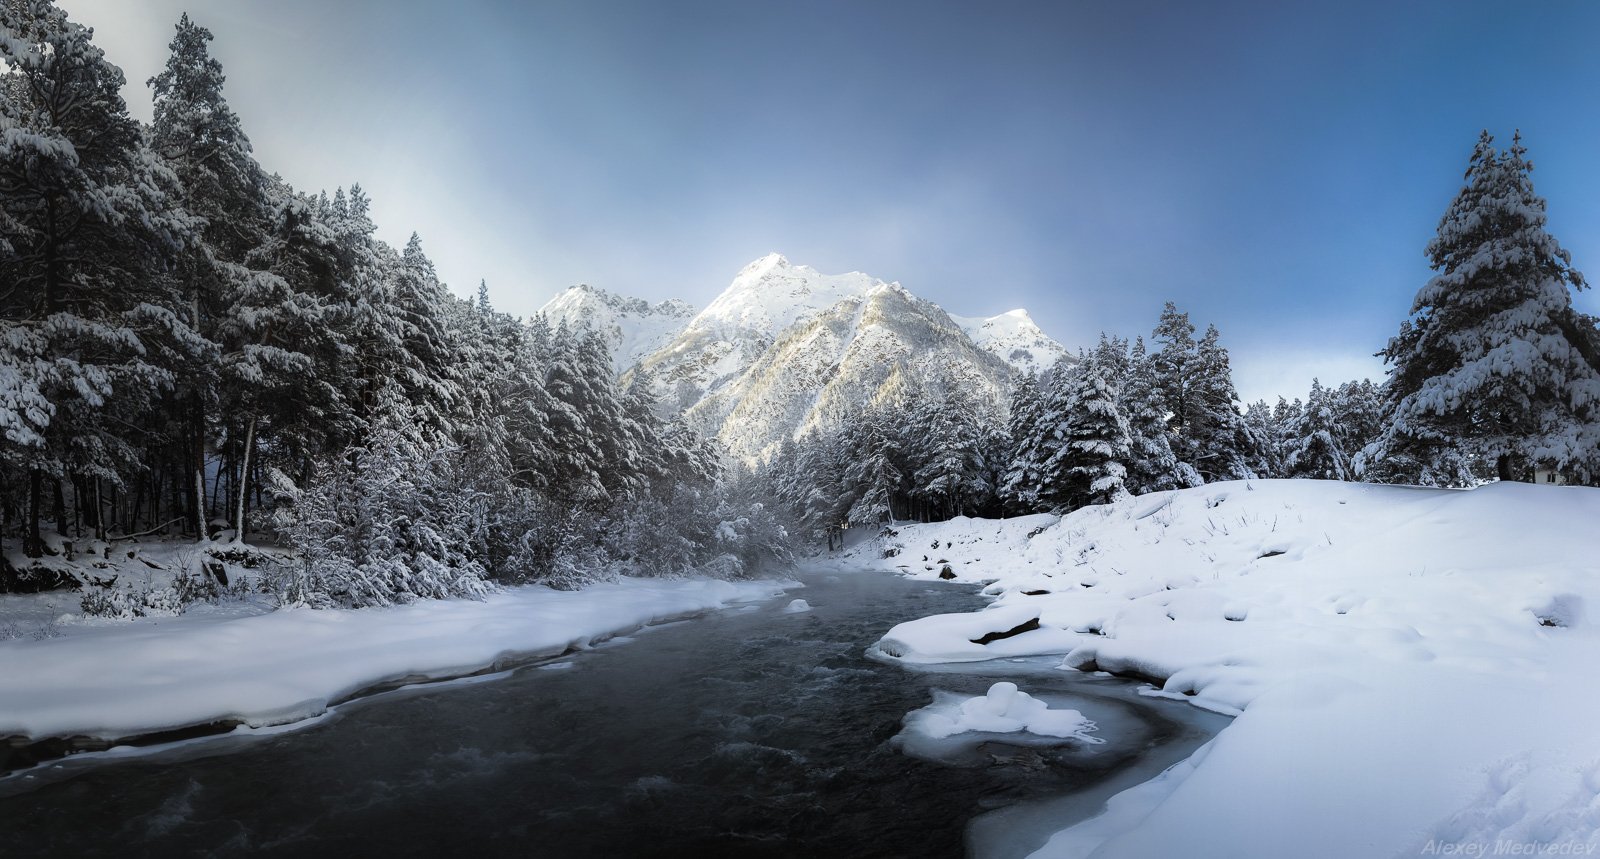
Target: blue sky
{"points": [[1275, 168]]}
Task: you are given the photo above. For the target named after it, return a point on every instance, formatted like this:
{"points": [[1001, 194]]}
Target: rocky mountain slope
{"points": [[785, 349]]}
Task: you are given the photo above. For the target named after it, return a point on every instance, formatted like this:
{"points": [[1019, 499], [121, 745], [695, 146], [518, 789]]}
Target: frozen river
{"points": [[750, 732]]}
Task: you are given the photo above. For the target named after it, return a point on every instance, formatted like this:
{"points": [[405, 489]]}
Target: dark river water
{"points": [[749, 732]]}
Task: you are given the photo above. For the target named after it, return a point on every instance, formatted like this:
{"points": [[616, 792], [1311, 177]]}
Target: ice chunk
{"points": [[1005, 709]]}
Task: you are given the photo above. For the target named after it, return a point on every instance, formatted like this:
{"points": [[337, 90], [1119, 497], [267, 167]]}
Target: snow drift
{"points": [[1409, 666]]}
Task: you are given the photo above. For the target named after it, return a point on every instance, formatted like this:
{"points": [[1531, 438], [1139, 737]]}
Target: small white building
{"points": [[1544, 475]]}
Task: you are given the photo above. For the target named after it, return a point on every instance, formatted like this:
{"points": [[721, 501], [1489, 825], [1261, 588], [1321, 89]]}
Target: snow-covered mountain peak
{"points": [[786, 348], [1015, 338], [632, 327], [771, 294], [762, 265]]}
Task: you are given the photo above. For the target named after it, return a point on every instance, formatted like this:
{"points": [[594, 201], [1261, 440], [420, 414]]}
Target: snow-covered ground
{"points": [[1413, 670], [243, 662]]}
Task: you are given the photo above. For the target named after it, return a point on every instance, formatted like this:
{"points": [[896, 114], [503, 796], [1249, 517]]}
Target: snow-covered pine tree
{"points": [[1285, 416], [1058, 390], [1019, 487], [1221, 446], [622, 460], [388, 521], [1152, 466], [1172, 371], [1493, 361], [1090, 465], [427, 365], [948, 473], [1269, 451], [823, 501], [368, 319], [994, 450], [290, 339], [1357, 415], [576, 458], [485, 307], [199, 137], [872, 471], [1314, 451], [88, 235]]}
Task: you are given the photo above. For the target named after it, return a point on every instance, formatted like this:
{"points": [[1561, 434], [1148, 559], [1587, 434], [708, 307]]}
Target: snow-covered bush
{"points": [[752, 534], [724, 567], [711, 531], [167, 600], [522, 538], [679, 529], [127, 604], [390, 521]]}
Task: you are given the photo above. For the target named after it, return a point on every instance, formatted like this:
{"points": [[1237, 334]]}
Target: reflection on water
{"points": [[745, 733]]}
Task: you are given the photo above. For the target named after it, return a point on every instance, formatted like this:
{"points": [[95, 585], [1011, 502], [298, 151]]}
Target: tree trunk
{"points": [[60, 508], [99, 512], [179, 505], [197, 420], [244, 481], [88, 497], [1502, 467], [33, 541]]}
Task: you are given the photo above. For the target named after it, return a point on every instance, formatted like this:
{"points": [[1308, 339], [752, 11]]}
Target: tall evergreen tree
{"points": [[1171, 365], [1152, 466], [1090, 465], [1020, 485], [201, 139], [1220, 444], [1314, 450], [1493, 362], [85, 248], [949, 476], [872, 468], [1357, 415], [1268, 461]]}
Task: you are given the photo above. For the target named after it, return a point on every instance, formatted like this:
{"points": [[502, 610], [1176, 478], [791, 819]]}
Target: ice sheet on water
{"points": [[951, 727], [1004, 709]]}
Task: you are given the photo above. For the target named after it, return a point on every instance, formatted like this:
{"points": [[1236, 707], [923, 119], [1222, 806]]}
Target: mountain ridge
{"points": [[786, 349]]}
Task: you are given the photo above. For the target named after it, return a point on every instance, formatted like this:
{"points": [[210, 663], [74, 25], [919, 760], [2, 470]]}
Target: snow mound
{"points": [[1004, 710], [1345, 624], [796, 607], [1003, 630]]}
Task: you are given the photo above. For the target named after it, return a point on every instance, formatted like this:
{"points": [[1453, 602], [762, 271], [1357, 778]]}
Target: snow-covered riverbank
{"points": [[118, 679], [1410, 667]]}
